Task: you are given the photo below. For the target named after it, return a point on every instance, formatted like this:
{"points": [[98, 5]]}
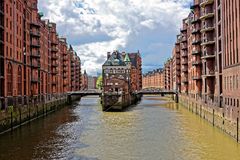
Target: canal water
{"points": [[152, 130]]}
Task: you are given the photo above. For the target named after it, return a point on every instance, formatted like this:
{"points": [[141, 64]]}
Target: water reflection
{"points": [[154, 129]]}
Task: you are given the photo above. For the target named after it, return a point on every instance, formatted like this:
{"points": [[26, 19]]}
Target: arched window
{"points": [[19, 82], [42, 85], [9, 80]]}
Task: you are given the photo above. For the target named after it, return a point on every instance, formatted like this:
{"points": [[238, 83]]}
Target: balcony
{"points": [[197, 77], [208, 42], [196, 31], [184, 69], [54, 57], [35, 44], [196, 52], [65, 58], [54, 49], [184, 29], [35, 80], [54, 42], [184, 54], [54, 82], [207, 28], [65, 76], [35, 65], [35, 55], [196, 42], [195, 20], [185, 80], [208, 56], [184, 39], [184, 62], [64, 65], [35, 34], [209, 73], [35, 24], [206, 2], [54, 72], [184, 47], [196, 62], [54, 65], [207, 16]]}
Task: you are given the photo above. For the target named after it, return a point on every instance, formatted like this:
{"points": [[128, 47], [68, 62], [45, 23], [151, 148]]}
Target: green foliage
{"points": [[10, 109], [99, 84]]}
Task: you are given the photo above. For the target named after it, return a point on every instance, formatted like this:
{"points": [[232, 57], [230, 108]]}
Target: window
{"points": [[236, 81], [9, 80], [19, 81]]}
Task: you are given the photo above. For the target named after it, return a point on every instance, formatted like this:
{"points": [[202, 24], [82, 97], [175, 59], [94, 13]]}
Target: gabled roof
{"points": [[127, 59]]}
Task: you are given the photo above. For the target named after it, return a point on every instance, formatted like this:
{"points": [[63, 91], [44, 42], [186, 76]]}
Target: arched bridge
{"points": [[158, 91], [146, 91], [93, 92]]}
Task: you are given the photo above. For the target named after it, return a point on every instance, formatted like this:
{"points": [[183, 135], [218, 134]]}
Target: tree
{"points": [[99, 83]]}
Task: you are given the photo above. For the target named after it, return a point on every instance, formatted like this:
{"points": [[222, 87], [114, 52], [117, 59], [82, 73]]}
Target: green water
{"points": [[153, 130]]}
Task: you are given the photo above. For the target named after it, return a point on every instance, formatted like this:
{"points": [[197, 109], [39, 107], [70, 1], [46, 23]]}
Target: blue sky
{"points": [[95, 27]]}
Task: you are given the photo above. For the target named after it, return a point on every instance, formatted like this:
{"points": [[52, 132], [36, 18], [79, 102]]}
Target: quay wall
{"points": [[218, 117], [16, 116]]}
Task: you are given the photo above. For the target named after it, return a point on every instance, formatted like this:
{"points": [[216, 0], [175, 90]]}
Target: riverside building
{"points": [[35, 63], [154, 79], [209, 58]]}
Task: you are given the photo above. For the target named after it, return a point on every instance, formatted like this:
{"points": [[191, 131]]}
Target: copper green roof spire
{"points": [[127, 59]]}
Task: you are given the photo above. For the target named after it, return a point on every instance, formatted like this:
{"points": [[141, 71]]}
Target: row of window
{"points": [[231, 25], [231, 82], [116, 71], [10, 26], [232, 102], [9, 39]]}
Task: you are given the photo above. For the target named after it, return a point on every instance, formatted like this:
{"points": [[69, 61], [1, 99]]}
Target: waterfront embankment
{"points": [[222, 118], [16, 116]]}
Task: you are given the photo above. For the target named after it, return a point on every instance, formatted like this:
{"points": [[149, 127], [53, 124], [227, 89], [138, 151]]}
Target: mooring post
{"points": [[237, 129], [11, 120], [176, 99]]}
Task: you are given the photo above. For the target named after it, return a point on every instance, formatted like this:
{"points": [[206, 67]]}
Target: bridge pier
{"points": [[69, 99]]}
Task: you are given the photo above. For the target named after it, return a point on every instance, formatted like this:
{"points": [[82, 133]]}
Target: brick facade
{"points": [[32, 56], [154, 79], [209, 56]]}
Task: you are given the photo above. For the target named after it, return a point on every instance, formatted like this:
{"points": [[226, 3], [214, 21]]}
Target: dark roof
{"points": [[115, 59]]}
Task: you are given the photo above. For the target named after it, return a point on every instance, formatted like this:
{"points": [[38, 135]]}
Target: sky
{"points": [[95, 27]]}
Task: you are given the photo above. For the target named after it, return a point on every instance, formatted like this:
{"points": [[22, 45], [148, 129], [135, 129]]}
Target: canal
{"points": [[153, 130]]}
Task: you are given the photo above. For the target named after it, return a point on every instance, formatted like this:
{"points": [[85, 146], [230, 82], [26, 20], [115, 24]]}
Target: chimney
{"points": [[108, 55]]}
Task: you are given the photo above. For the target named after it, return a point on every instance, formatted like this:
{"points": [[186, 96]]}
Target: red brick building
{"points": [[184, 55], [154, 79], [209, 55], [32, 56], [176, 63], [168, 74], [84, 85], [230, 52], [122, 72]]}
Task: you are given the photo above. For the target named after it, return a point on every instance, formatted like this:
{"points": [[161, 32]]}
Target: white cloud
{"points": [[120, 20]]}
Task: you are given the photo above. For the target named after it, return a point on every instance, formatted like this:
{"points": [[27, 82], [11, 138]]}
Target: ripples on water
{"points": [[152, 130]]}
